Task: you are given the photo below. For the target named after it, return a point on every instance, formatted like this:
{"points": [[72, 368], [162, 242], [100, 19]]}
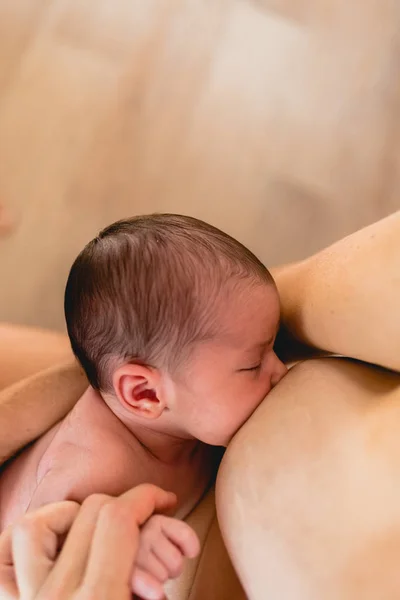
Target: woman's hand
{"points": [[97, 557]]}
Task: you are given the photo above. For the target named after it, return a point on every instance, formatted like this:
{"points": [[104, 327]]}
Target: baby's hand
{"points": [[164, 544]]}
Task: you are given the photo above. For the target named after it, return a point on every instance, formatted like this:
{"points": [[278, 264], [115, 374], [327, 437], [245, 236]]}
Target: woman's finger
{"points": [[68, 572], [117, 534], [35, 541], [8, 585], [146, 499], [28, 549]]}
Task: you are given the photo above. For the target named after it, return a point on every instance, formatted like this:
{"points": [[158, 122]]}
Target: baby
{"points": [[174, 323]]}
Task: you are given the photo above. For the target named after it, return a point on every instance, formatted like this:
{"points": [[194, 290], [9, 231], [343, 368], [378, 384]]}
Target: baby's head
{"points": [[174, 323]]}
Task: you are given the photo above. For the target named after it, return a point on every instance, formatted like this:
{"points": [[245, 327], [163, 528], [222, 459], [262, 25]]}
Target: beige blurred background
{"points": [[278, 121]]}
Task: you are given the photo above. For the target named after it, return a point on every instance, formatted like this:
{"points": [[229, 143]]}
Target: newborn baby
{"points": [[174, 323]]}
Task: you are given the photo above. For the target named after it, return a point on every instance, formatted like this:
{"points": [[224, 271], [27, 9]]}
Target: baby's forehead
{"points": [[251, 317]]}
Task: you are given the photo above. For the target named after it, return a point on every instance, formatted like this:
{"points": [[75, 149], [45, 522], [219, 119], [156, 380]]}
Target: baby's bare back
{"points": [[90, 451]]}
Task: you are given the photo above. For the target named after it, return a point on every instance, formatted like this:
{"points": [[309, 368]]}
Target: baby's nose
{"points": [[279, 372]]}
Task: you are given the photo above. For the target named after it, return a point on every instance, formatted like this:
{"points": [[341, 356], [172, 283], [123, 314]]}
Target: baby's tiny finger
{"points": [[149, 562], [170, 556], [146, 586], [182, 535]]}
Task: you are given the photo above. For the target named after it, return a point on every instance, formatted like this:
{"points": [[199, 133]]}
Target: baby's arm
{"points": [[164, 544]]}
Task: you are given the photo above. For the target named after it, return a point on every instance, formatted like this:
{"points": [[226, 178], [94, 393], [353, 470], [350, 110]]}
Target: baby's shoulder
{"points": [[91, 443]]}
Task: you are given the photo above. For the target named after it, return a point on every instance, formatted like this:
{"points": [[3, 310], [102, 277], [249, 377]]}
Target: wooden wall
{"points": [[278, 121]]}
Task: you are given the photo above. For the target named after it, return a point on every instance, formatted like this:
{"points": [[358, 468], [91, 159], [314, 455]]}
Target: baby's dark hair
{"points": [[146, 288]]}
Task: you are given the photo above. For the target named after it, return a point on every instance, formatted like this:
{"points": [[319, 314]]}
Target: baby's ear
{"points": [[137, 387]]}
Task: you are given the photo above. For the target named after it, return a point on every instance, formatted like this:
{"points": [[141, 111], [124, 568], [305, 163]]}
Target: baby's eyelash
{"points": [[255, 368]]}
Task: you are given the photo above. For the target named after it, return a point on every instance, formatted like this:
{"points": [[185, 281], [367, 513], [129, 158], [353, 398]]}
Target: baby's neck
{"points": [[185, 466], [188, 465], [166, 448]]}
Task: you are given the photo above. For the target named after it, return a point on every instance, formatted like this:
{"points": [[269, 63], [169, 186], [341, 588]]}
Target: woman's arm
{"points": [[32, 406], [25, 351], [346, 298]]}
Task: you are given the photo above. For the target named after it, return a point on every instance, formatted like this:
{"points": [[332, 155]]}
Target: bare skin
{"points": [[164, 543], [112, 442], [325, 415], [91, 451], [97, 532], [345, 299], [52, 393], [315, 472]]}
